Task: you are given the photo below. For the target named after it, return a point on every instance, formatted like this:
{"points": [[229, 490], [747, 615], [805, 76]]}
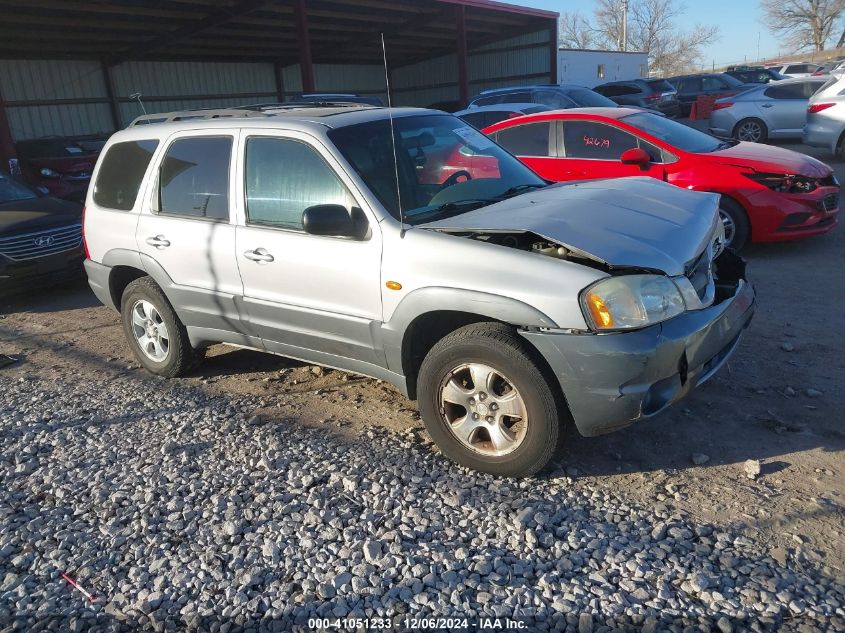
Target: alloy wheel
{"points": [[750, 131], [483, 410], [150, 331]]}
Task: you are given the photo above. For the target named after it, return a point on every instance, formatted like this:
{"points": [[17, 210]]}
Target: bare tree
{"points": [[575, 31], [652, 28], [804, 23]]}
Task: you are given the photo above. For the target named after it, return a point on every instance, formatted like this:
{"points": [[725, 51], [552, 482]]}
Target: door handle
{"points": [[158, 241], [767, 105], [259, 255]]}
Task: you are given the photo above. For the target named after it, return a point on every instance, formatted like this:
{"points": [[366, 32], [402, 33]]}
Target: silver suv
{"points": [[417, 251]]}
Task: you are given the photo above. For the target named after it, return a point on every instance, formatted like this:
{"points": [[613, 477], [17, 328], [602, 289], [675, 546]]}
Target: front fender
{"points": [[435, 299]]}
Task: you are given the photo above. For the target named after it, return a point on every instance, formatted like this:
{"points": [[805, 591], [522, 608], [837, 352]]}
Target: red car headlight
{"points": [[784, 183]]}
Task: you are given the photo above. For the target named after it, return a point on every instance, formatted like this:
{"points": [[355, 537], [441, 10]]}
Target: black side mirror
{"points": [[334, 220]]}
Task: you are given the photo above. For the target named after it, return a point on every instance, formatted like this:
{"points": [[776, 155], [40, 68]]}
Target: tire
{"points": [[734, 216], [751, 130], [527, 441], [172, 355]]}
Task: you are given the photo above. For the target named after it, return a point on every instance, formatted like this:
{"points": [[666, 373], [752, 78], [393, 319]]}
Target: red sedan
{"points": [[768, 193]]}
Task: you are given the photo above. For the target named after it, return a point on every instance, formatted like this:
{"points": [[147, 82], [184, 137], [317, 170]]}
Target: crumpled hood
{"points": [[769, 158], [625, 222]]}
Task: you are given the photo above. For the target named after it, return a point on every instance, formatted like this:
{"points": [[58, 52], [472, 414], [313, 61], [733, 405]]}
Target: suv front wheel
{"points": [[487, 404], [156, 335]]}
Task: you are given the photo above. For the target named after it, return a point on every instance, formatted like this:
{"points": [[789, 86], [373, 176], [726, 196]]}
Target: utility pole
{"points": [[624, 45]]}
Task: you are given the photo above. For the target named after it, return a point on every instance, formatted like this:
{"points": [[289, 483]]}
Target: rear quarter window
{"points": [[660, 85], [531, 139], [121, 173]]}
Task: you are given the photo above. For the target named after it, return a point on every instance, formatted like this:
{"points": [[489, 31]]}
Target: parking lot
{"points": [[262, 492]]}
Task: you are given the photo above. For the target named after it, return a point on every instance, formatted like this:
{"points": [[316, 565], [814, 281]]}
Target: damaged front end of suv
{"points": [[666, 310]]}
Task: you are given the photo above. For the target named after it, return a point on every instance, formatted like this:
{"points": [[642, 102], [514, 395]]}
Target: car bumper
{"points": [[777, 217], [611, 381], [33, 273], [98, 280], [819, 134]]}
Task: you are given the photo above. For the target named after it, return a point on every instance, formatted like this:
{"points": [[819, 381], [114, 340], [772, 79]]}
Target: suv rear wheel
{"points": [[156, 335], [487, 404]]}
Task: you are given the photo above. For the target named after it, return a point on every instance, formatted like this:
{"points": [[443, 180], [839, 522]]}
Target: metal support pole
{"points": [[113, 107], [7, 143], [624, 45], [553, 51], [306, 68], [463, 73], [280, 81]]}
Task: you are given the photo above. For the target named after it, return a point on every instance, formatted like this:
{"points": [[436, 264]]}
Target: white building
{"points": [[593, 67]]}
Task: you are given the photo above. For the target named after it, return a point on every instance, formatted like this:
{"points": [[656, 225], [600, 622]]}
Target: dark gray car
{"points": [[691, 87], [556, 96], [654, 94]]}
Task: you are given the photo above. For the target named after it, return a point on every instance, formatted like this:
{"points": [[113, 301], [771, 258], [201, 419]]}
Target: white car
{"points": [[405, 245], [825, 126], [797, 69]]}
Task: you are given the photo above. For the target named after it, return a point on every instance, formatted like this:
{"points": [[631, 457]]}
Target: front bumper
{"points": [[16, 277], [777, 217], [612, 380]]}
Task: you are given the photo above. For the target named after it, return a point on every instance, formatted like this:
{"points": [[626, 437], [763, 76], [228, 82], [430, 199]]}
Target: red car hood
{"points": [[69, 165], [769, 159]]}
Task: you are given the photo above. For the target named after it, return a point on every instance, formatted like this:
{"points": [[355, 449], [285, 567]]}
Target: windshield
{"points": [[11, 190], [673, 133], [590, 98], [445, 167]]}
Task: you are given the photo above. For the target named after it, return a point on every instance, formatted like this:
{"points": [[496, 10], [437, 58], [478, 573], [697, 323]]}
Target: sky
{"points": [[740, 22]]}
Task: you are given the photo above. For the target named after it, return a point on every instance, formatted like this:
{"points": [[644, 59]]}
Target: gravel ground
{"points": [[179, 509]]}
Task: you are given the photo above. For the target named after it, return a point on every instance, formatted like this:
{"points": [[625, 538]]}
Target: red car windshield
{"points": [[673, 133], [443, 165]]}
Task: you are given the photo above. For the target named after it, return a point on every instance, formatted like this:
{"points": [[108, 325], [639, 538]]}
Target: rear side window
{"points": [[713, 83], [554, 100], [531, 139], [517, 97], [692, 84], [788, 91], [283, 178], [121, 173], [797, 68], [194, 178], [660, 85], [484, 101]]}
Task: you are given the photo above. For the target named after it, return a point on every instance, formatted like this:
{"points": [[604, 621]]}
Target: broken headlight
{"points": [[784, 183], [631, 301]]}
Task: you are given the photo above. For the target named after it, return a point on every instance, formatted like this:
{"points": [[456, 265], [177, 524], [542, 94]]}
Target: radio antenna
{"points": [[393, 140]]}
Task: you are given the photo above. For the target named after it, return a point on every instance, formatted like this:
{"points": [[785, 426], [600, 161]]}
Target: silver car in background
{"points": [[776, 110], [825, 125]]}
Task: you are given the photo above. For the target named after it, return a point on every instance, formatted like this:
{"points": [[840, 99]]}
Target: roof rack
{"points": [[239, 112], [189, 115], [298, 105]]}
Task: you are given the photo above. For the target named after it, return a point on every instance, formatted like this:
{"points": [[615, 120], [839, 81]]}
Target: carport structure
{"points": [[68, 67]]}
